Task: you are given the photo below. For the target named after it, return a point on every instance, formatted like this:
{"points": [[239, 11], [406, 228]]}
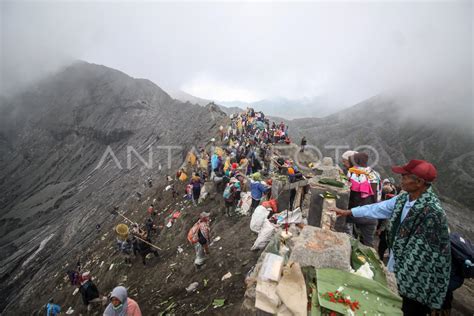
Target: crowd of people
{"points": [[405, 222], [237, 162]]}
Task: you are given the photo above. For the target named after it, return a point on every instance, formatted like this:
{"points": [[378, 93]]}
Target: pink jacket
{"points": [[133, 309]]}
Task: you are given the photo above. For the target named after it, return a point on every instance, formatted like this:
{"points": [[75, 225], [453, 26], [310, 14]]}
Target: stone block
{"points": [[316, 203], [321, 248]]}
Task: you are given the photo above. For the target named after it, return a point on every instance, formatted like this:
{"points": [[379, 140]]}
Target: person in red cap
{"points": [[420, 254]]}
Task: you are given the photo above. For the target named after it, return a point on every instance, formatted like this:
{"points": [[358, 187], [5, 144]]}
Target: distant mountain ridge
{"points": [[381, 123], [289, 108], [186, 97], [52, 138]]}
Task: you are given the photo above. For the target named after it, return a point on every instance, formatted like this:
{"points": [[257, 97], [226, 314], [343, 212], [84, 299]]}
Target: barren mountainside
{"points": [[396, 136], [53, 136], [57, 187]]}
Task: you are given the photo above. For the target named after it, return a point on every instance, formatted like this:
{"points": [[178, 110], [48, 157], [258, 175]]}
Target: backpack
{"points": [[462, 253], [193, 234], [227, 192]]}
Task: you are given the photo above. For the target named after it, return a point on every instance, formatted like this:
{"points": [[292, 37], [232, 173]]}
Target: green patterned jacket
{"points": [[421, 249]]}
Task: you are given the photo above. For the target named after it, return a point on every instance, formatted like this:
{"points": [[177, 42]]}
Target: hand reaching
{"points": [[340, 212]]}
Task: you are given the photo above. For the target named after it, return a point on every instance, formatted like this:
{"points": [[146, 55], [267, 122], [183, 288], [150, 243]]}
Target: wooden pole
{"points": [[146, 242]]}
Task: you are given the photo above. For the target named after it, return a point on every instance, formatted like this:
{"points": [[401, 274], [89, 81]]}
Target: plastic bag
{"points": [[258, 218], [264, 236]]}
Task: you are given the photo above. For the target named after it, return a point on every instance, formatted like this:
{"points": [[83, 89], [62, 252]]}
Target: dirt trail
{"points": [[160, 285]]}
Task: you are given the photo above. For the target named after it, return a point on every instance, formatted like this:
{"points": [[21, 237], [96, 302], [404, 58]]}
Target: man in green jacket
{"points": [[420, 254]]}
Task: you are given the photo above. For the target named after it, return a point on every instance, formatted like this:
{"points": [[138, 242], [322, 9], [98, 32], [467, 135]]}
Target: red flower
{"points": [[332, 300], [333, 314]]}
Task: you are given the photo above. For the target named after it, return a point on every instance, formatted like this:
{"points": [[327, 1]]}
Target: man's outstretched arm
{"points": [[381, 210]]}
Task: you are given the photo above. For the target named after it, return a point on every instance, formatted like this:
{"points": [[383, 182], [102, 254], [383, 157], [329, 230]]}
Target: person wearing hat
{"points": [[420, 254], [347, 160], [200, 237], [122, 305], [365, 189]]}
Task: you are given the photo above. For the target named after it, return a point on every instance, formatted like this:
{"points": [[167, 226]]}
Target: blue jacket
{"points": [[214, 161], [257, 189], [52, 309]]}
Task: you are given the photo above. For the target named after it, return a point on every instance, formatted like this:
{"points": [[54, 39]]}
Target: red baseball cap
{"points": [[420, 168]]}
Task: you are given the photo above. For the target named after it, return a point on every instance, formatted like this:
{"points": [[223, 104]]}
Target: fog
{"points": [[343, 52]]}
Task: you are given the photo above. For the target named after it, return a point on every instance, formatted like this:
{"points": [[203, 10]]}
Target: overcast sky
{"points": [[345, 51]]}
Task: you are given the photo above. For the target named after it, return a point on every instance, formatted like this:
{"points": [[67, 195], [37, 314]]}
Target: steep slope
{"points": [[397, 133], [387, 126], [53, 138]]}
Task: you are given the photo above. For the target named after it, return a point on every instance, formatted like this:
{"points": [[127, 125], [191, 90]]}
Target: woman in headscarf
{"points": [[365, 189], [121, 305], [347, 160]]}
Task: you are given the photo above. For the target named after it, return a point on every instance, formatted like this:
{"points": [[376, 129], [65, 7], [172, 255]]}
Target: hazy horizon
{"points": [[339, 52]]}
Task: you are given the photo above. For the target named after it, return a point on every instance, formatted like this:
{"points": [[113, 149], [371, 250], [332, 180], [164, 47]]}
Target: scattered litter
{"points": [[169, 308], [226, 276], [173, 264], [246, 262], [166, 281], [101, 264], [202, 310], [220, 248], [218, 302], [111, 266], [205, 281], [69, 311], [75, 291], [217, 238], [180, 250], [192, 287]]}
